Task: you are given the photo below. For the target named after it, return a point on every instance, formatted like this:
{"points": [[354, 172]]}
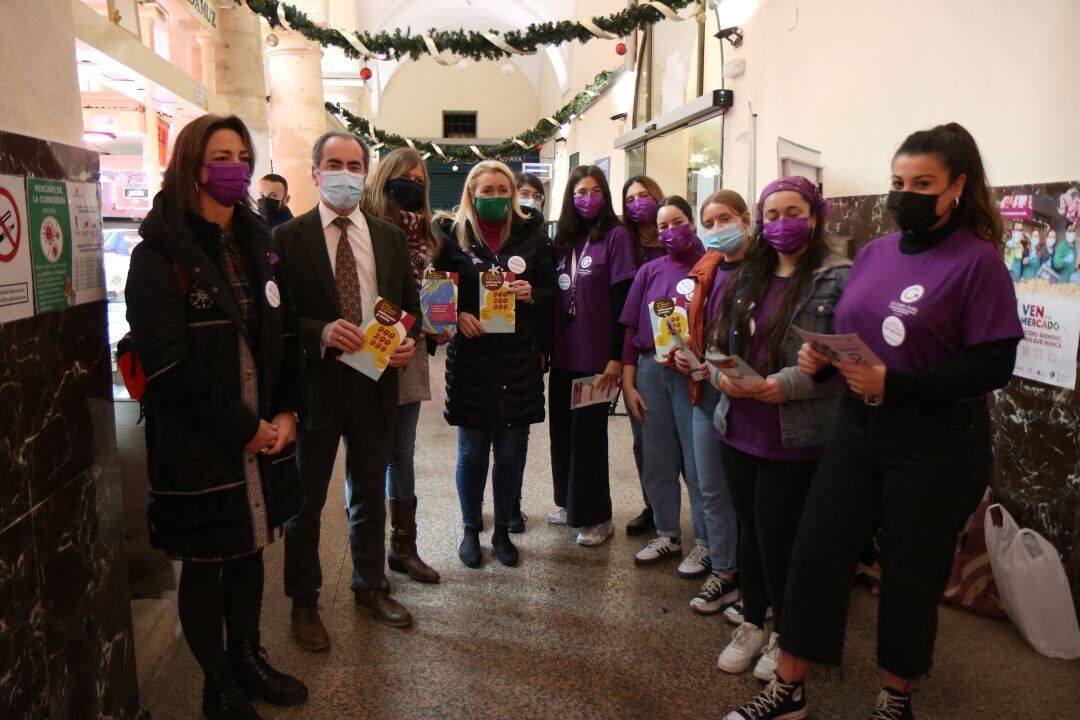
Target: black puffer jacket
{"points": [[497, 380], [212, 377]]}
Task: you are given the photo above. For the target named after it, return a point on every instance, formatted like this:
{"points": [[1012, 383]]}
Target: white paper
{"points": [[1051, 321], [87, 260], [16, 270], [845, 348], [583, 392], [736, 369]]}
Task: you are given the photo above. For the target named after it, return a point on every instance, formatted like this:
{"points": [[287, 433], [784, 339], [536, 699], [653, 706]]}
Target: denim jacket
{"points": [[809, 406]]}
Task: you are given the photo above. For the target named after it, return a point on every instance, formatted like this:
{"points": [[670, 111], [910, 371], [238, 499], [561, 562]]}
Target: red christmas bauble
{"points": [[539, 147], [365, 73], [620, 48]]}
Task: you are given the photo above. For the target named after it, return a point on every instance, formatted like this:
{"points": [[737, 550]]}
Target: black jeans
{"points": [[768, 497], [213, 592], [368, 442], [579, 454], [919, 474]]}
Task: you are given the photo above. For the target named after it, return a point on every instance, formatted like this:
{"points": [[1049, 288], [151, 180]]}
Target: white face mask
{"points": [[1051, 241], [1034, 240], [528, 203], [1070, 237], [1017, 235]]}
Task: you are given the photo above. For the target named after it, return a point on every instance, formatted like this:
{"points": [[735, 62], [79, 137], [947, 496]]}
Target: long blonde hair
{"points": [[465, 213], [379, 203]]}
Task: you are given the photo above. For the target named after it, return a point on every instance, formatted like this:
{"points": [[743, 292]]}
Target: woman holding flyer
{"points": [[727, 222], [494, 364], [595, 266], [641, 198], [397, 192], [656, 395], [911, 447], [771, 418]]}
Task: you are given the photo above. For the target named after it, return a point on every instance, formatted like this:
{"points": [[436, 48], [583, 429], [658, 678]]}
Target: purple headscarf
{"points": [[801, 185]]}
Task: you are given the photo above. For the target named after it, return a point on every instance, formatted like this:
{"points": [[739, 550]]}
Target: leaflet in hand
{"points": [[438, 302], [382, 336], [736, 369], [842, 348], [497, 303], [669, 319], [696, 367], [583, 392]]}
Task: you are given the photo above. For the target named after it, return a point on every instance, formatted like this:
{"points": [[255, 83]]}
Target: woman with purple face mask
{"points": [[658, 396], [594, 258], [772, 435]]}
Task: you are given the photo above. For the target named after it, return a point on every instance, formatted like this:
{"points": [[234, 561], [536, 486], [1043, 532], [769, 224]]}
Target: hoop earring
{"points": [[956, 201]]}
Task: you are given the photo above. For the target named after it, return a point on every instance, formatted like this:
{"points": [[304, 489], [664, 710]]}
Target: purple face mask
{"points": [[588, 206], [642, 211], [227, 182], [787, 235], [678, 240]]}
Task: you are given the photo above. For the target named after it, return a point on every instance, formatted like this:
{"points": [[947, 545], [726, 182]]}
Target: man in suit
{"points": [[337, 260]]}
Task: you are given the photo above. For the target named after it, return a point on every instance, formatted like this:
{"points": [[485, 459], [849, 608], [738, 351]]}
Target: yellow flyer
{"points": [[497, 303], [383, 334], [667, 315]]}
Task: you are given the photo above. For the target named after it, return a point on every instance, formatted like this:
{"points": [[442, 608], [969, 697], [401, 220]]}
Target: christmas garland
{"points": [[525, 141], [490, 45]]}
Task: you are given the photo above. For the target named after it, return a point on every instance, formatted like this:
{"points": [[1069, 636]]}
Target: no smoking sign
{"points": [[11, 226]]}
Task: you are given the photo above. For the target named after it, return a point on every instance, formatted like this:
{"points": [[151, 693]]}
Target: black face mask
{"points": [[269, 207], [408, 193], [913, 212]]}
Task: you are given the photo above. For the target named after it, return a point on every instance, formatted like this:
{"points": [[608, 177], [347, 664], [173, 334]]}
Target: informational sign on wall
{"points": [[88, 261], [51, 244], [1051, 321], [16, 269]]}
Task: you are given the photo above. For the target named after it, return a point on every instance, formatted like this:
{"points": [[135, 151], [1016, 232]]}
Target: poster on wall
{"points": [[16, 269], [1051, 323], [51, 244], [88, 260], [604, 164]]}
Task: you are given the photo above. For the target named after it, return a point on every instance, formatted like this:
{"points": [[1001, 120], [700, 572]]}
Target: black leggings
{"points": [[212, 592], [768, 497]]}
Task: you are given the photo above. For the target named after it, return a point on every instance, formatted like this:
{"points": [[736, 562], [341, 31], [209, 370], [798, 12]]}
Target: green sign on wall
{"points": [[51, 244]]}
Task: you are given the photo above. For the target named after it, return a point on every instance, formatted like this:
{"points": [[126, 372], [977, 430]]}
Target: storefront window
{"points": [[669, 70], [684, 162]]}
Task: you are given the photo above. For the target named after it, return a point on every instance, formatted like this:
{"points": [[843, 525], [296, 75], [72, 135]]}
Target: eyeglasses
{"points": [[526, 195], [595, 192]]}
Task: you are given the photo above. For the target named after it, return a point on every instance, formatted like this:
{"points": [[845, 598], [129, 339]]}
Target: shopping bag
{"points": [[1033, 587], [971, 584]]}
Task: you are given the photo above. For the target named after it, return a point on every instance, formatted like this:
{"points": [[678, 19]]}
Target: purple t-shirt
{"points": [[926, 309], [584, 343], [754, 426], [658, 279], [652, 253]]}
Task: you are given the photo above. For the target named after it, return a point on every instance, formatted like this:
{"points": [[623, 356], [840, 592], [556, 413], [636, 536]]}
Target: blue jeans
{"points": [[717, 507], [510, 446], [400, 471], [639, 454], [668, 445]]}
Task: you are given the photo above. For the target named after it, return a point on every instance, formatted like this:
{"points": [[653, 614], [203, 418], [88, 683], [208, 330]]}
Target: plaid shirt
{"points": [[235, 270]]}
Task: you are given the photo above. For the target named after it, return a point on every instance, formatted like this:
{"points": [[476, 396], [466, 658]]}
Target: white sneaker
{"points": [[734, 613], [765, 670], [658, 549], [557, 516], [696, 564], [595, 534], [746, 643]]}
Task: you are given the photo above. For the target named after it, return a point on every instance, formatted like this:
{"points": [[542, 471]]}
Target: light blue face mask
{"points": [[727, 240], [342, 189], [530, 203]]}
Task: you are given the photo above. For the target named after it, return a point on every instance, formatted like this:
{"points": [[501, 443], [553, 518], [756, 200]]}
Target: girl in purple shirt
{"points": [[594, 265], [911, 447]]}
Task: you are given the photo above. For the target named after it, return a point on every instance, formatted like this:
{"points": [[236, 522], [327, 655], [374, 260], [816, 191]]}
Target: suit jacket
{"points": [[301, 244]]}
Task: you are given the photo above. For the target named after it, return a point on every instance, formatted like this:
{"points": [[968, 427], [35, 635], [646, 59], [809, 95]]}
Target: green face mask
{"points": [[492, 209]]}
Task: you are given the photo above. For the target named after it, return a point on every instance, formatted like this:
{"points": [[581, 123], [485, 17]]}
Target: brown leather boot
{"points": [[308, 628], [403, 557], [383, 608]]}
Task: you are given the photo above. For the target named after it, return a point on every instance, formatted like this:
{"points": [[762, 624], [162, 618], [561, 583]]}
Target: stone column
{"points": [[297, 113], [240, 77]]}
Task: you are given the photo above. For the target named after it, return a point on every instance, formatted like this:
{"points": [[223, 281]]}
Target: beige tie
{"points": [[346, 277]]}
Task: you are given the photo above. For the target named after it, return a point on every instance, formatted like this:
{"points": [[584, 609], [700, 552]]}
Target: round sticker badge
{"points": [[516, 264], [564, 282], [893, 331], [586, 262], [685, 287], [913, 294], [273, 295]]}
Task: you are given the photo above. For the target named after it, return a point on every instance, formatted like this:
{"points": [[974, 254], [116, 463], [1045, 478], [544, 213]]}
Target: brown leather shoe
{"points": [[403, 557], [308, 628], [383, 608]]}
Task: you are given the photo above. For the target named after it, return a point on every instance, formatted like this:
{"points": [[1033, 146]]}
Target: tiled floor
{"points": [[579, 633]]}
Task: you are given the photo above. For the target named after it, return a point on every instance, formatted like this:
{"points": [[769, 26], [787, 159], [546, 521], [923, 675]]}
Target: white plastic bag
{"points": [[1032, 584]]}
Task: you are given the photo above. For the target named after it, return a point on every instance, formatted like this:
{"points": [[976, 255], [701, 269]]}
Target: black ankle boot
{"points": [[222, 697], [256, 678], [502, 547], [517, 523], [469, 550]]}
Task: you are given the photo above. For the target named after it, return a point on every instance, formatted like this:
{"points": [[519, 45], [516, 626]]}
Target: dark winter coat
{"points": [[497, 380], [212, 377]]}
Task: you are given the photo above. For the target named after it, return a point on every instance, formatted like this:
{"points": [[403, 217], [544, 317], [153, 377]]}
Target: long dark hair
{"points": [[572, 226], [977, 212], [680, 202], [757, 271], [181, 181], [654, 189]]}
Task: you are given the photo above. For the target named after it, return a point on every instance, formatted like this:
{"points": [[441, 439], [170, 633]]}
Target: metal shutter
{"points": [[447, 185]]}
